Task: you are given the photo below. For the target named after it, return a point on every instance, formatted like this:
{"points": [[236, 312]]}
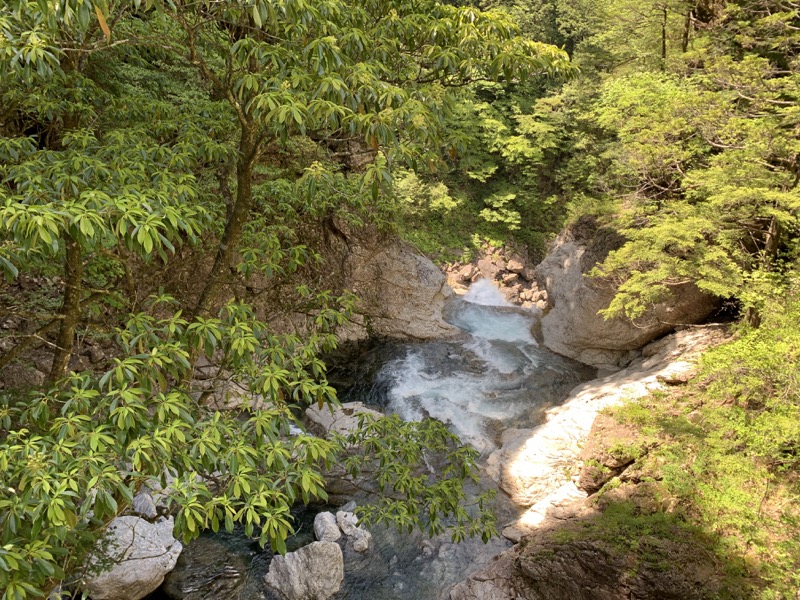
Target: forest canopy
{"points": [[136, 134]]}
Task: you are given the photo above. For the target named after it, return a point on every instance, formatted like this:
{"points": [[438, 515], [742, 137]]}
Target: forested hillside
{"points": [[171, 173], [681, 132]]}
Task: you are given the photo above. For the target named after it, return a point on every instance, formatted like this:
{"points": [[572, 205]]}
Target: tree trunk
{"points": [[237, 217], [70, 309], [664, 39], [687, 29], [772, 243]]}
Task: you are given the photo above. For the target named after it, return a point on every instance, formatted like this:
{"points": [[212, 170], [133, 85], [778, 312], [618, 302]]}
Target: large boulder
{"points": [[132, 559], [534, 466], [560, 565], [573, 328], [401, 293], [314, 572]]}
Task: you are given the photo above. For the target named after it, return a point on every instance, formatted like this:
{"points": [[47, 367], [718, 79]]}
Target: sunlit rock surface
{"points": [[535, 466]]}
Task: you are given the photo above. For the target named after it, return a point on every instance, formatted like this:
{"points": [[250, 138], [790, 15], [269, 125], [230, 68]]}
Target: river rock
{"points": [[359, 537], [132, 559], [515, 265], [325, 527], [144, 505], [466, 273], [339, 419], [314, 572], [548, 568], [401, 294], [573, 328], [535, 466]]}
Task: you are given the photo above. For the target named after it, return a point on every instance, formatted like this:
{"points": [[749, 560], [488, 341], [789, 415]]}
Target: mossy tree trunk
{"points": [[70, 309]]}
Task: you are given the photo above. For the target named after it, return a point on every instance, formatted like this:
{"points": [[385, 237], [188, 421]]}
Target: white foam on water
{"points": [[489, 323], [456, 400], [502, 362], [485, 293], [492, 375]]}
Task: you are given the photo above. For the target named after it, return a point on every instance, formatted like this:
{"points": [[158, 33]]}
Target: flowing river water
{"points": [[491, 377]]}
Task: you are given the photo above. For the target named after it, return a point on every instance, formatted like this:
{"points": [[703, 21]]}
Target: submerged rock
{"points": [[217, 567], [132, 559], [314, 572]]}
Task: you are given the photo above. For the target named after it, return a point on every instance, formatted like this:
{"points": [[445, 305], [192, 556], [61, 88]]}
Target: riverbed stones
{"points": [[314, 572], [325, 527], [359, 538], [508, 270], [132, 559], [515, 265]]}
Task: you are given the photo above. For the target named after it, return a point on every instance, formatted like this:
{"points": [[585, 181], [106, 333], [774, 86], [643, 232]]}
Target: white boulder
{"points": [[325, 527], [314, 572], [132, 559]]}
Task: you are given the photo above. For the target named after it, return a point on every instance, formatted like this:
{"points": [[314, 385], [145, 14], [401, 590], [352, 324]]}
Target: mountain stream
{"points": [[491, 377]]}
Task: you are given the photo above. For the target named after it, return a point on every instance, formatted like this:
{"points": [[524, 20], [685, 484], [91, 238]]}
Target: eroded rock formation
{"points": [[401, 293], [572, 326], [314, 572]]}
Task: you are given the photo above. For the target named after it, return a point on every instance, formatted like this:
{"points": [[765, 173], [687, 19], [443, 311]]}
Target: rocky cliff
{"points": [[564, 553], [401, 294], [572, 326]]}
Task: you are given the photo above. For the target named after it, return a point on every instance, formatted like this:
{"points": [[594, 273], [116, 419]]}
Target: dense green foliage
{"points": [[680, 129], [224, 132], [728, 449], [134, 131]]}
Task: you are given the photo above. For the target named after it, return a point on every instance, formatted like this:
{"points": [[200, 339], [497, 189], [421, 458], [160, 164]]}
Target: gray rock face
{"points": [[402, 293], [573, 328], [588, 570], [132, 559], [359, 537], [341, 419], [534, 465], [144, 505], [314, 572], [499, 581]]}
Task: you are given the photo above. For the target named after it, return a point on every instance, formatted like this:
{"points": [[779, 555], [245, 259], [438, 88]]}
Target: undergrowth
{"points": [[729, 451]]}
